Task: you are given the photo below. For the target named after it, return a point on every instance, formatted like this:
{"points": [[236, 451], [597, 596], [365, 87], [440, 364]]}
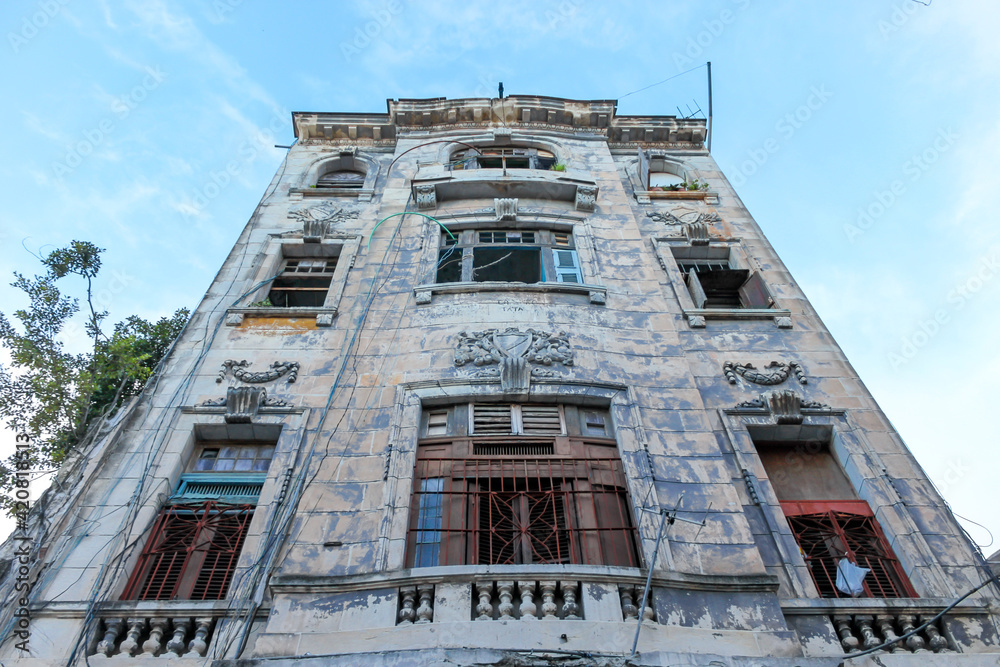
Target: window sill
{"points": [[697, 316], [707, 196], [597, 294], [358, 193], [324, 316]]}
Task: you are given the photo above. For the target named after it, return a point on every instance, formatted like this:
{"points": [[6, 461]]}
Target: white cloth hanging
{"points": [[850, 578]]}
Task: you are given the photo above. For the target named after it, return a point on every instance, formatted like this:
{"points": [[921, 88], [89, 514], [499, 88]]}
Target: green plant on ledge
{"points": [[263, 303], [558, 166], [687, 186]]}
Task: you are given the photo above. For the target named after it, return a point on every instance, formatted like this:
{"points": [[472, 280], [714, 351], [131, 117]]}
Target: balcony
{"points": [[435, 183]]}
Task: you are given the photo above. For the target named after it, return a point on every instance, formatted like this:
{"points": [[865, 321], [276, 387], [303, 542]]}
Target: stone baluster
{"points": [[529, 611], [407, 610], [915, 642], [847, 638], [629, 610], [506, 591], [112, 630], [136, 626], [864, 625], [936, 640], [571, 610], [178, 642], [886, 625], [647, 612], [484, 589], [157, 628], [198, 646], [425, 611], [550, 611]]}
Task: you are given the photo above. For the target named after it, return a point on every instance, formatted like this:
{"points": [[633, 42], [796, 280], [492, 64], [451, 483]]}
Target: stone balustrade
{"points": [[526, 599], [155, 637], [859, 632]]}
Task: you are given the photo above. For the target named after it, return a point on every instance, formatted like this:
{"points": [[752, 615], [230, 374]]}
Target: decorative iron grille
{"points": [[827, 532], [191, 553], [517, 505]]}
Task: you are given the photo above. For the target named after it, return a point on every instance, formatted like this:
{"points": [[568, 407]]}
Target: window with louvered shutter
{"points": [[541, 419], [490, 419]]}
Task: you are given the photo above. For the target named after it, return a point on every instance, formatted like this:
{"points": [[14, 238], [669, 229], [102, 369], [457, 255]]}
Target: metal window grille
{"points": [[506, 419], [827, 536], [505, 509], [191, 553], [303, 282]]}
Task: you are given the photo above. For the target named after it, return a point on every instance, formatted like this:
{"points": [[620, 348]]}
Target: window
{"points": [[502, 158], [343, 179], [526, 256], [519, 484], [828, 520], [196, 540], [305, 276], [716, 277]]}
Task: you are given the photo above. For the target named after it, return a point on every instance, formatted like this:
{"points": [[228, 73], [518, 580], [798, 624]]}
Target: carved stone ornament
{"points": [[586, 197], [267, 402], [239, 370], [772, 374], [512, 351], [683, 216], [505, 209], [696, 233], [785, 406], [317, 220], [426, 196]]}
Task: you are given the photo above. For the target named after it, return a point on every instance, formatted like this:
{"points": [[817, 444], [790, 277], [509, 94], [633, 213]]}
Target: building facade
{"points": [[515, 381]]}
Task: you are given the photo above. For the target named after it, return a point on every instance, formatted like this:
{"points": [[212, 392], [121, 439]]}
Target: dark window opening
{"points": [[502, 158], [528, 256], [303, 283], [714, 282], [343, 179], [522, 265]]}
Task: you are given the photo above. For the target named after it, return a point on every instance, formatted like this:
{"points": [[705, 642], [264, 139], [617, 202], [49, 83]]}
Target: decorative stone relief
{"points": [[506, 209], [426, 196], [317, 220], [696, 321], [277, 370], [783, 322], [696, 233], [683, 216], [785, 406], [772, 374], [586, 197], [242, 403], [512, 350]]}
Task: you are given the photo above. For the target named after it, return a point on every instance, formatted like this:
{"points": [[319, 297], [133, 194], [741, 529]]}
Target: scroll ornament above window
{"points": [[511, 351], [774, 373], [278, 369], [683, 216], [317, 220]]}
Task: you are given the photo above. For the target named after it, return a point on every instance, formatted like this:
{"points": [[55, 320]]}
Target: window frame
{"points": [[504, 153], [276, 251], [544, 240], [673, 252]]}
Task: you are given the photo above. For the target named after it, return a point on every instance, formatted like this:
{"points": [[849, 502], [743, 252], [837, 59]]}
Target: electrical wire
{"points": [[653, 85]]}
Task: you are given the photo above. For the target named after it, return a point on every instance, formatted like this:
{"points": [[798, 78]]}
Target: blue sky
{"points": [[862, 136]]}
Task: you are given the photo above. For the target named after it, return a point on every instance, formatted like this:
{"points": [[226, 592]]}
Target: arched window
{"points": [[507, 157], [342, 179]]}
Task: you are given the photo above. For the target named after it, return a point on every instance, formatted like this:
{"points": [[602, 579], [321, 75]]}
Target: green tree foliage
{"points": [[55, 396]]}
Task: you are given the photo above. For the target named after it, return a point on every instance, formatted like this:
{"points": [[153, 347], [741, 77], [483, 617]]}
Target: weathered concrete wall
{"points": [[729, 583]]}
